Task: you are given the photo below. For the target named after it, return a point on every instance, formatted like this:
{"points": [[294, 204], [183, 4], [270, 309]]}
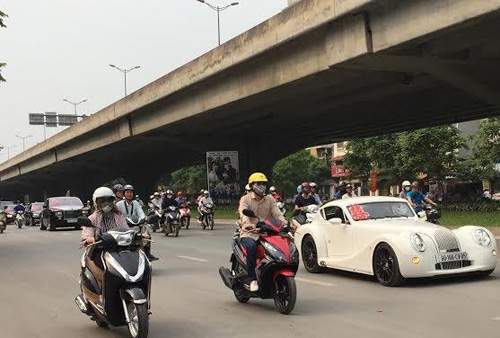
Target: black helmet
{"points": [[117, 187], [128, 187]]}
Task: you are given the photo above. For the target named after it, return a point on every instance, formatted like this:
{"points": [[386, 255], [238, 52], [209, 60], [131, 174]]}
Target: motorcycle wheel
{"points": [[188, 222], [285, 294], [1, 231], [204, 222], [139, 319], [211, 221], [177, 229], [19, 226], [42, 224]]}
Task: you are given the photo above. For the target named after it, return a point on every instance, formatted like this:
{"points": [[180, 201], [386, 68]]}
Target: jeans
{"points": [[251, 245]]}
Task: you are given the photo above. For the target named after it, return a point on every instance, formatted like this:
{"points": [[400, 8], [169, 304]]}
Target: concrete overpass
{"points": [[320, 71]]}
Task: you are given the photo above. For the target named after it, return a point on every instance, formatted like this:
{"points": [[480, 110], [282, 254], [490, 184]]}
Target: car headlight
{"points": [[417, 242], [481, 237], [59, 214], [85, 212]]}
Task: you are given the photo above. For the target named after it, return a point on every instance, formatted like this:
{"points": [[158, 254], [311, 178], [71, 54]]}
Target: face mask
{"points": [[106, 208], [260, 189]]}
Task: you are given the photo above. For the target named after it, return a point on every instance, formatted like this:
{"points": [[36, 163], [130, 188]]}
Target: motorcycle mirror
{"points": [[249, 213], [84, 222]]}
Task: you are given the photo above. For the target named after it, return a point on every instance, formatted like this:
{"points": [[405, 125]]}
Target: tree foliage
{"points": [[297, 168], [403, 155], [486, 149], [190, 179]]}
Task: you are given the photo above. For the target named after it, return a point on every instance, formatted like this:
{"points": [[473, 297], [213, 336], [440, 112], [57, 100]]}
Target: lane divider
{"points": [[195, 259]]}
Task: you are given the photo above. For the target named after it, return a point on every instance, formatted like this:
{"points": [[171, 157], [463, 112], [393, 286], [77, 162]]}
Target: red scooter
{"points": [[185, 215], [277, 264]]}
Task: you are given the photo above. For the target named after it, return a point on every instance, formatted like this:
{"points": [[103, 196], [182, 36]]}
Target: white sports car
{"points": [[383, 236]]}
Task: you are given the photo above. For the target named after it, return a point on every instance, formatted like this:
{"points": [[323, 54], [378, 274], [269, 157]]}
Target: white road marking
{"points": [[201, 260], [315, 282]]}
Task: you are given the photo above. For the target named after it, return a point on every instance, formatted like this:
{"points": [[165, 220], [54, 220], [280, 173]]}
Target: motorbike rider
{"points": [[156, 200], [19, 207], [406, 187], [349, 193], [264, 207], [205, 199], [138, 199], [275, 194], [105, 217], [181, 198], [169, 200], [304, 199], [314, 192], [132, 209], [417, 199], [3, 217], [118, 191]]}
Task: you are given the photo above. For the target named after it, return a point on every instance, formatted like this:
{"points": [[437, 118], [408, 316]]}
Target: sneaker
{"points": [[254, 286]]}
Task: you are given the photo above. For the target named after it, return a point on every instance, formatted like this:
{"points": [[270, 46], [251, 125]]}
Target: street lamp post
{"points": [[125, 71], [24, 138], [218, 9], [75, 104]]}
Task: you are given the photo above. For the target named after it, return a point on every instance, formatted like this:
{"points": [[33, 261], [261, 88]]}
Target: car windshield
{"points": [[36, 207], [379, 210], [65, 201]]}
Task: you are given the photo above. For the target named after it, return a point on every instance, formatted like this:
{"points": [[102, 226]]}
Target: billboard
{"points": [[67, 119], [223, 175], [37, 119]]}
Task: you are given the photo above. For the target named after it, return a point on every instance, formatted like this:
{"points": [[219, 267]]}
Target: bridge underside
{"points": [[446, 77]]}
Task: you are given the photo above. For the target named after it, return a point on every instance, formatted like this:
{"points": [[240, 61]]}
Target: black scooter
{"points": [[115, 281]]}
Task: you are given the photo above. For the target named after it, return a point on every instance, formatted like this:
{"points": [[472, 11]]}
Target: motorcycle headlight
{"points": [[417, 242], [273, 251], [481, 237]]}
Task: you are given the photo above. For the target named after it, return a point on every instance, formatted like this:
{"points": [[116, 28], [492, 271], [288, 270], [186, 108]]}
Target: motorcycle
{"points": [[207, 216], [306, 216], [154, 218], [281, 205], [3, 226], [185, 215], [277, 264], [172, 222], [118, 292], [20, 219], [429, 213]]}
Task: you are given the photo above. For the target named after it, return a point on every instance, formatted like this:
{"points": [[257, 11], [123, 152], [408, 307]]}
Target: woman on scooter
{"points": [[264, 207]]}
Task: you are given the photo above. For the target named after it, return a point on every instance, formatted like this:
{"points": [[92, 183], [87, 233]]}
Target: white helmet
{"points": [[102, 192], [205, 192], [313, 185], [406, 183], [272, 189]]}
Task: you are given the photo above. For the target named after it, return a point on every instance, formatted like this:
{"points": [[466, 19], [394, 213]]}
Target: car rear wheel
{"points": [[310, 255], [386, 266]]}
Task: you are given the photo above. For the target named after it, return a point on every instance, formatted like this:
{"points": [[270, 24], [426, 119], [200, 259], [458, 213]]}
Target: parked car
{"points": [[33, 212], [383, 236], [61, 212]]}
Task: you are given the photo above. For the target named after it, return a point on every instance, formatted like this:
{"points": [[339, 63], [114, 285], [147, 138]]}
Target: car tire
{"points": [[386, 266], [49, 225], [310, 255]]}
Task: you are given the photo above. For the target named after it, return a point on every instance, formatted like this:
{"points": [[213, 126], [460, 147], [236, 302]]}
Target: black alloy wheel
{"points": [[386, 266], [310, 255], [285, 294]]}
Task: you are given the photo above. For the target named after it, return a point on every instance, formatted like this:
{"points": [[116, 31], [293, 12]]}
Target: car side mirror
{"points": [[422, 214], [335, 220]]}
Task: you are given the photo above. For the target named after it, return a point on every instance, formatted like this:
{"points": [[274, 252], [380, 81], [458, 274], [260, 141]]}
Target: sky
{"points": [[57, 49]]}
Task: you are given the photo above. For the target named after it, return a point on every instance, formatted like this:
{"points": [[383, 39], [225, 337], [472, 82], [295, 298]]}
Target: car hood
{"points": [[408, 225]]}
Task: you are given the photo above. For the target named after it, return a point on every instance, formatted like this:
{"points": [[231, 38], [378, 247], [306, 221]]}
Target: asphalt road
{"points": [[38, 274]]}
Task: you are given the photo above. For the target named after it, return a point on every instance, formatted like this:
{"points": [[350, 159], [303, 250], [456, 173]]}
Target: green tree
{"points": [[2, 24], [486, 149], [297, 168], [190, 179]]}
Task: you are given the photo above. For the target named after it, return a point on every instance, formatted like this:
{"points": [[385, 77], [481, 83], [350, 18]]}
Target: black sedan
{"points": [[61, 212], [33, 212]]}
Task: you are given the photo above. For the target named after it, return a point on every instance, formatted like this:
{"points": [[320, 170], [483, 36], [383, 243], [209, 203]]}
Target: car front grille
{"points": [[452, 265], [446, 241], [72, 213]]}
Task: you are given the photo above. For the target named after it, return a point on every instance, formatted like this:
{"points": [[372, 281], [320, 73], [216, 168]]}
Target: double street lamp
{"points": [[75, 104], [125, 71], [24, 138], [218, 9]]}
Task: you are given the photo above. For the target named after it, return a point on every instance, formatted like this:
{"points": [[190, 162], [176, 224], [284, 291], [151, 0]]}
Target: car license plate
{"points": [[454, 256], [72, 220]]}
